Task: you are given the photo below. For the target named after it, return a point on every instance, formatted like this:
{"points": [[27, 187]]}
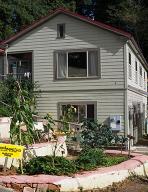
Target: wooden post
{"points": [[5, 164]]}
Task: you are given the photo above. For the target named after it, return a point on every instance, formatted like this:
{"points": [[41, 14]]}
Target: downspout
{"points": [[126, 124]]}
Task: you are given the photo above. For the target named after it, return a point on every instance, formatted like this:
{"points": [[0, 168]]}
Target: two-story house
{"points": [[76, 61]]}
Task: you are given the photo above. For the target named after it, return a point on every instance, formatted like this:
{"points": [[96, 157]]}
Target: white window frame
{"points": [[78, 50], [78, 103], [140, 75]]}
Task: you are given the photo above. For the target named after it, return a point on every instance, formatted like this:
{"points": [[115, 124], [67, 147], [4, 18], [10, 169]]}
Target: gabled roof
{"points": [[77, 16], [67, 12]]}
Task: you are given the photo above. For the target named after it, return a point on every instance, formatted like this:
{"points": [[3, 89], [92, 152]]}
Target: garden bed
{"points": [[87, 180], [87, 160]]}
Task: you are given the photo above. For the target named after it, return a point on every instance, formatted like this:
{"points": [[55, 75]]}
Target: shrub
{"points": [[50, 165], [96, 135], [89, 159]]}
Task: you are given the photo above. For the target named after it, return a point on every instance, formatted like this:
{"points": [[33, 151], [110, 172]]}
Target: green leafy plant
{"points": [[22, 113], [18, 101], [50, 165], [8, 93], [68, 116], [96, 135], [49, 125], [90, 158], [113, 160]]}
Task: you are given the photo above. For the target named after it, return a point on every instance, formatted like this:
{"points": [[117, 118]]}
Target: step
{"points": [[141, 149]]}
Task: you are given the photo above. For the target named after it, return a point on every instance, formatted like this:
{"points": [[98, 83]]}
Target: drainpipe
{"points": [[126, 122]]}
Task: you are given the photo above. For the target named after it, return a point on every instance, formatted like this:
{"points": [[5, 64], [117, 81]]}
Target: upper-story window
{"points": [[136, 72], [140, 76], [130, 65], [145, 80], [61, 30], [72, 64]]}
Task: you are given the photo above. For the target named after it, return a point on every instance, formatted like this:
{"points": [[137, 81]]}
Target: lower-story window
{"points": [[79, 111]]}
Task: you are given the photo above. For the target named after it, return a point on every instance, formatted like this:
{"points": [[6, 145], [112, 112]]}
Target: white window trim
{"points": [[78, 50]]}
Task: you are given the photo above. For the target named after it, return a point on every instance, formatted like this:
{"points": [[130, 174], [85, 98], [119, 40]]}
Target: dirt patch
{"points": [[129, 185], [11, 171]]}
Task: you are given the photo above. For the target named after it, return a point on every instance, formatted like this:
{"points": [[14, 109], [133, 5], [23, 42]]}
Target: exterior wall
{"points": [[137, 98], [43, 41], [107, 90], [108, 102], [132, 82], [136, 95], [137, 115]]}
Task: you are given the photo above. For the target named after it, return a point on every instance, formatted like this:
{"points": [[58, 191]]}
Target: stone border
{"points": [[100, 178]]}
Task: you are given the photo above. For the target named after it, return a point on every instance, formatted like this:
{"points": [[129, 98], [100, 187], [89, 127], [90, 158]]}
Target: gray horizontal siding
{"points": [[43, 41], [108, 102]]}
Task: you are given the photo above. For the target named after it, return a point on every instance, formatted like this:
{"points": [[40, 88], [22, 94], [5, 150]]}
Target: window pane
{"points": [[70, 112], [92, 63], [129, 58], [77, 64], [61, 65], [136, 67], [82, 112], [90, 112], [61, 30], [141, 71]]}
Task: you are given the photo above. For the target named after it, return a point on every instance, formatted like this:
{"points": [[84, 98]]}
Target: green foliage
{"points": [[50, 122], [50, 165], [68, 116], [17, 14], [21, 114], [49, 125], [96, 135], [9, 91], [89, 159], [17, 100], [113, 160]]}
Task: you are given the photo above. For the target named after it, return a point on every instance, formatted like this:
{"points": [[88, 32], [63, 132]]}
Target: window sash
{"points": [[130, 71], [95, 72], [79, 118], [136, 76], [61, 34], [129, 59]]}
